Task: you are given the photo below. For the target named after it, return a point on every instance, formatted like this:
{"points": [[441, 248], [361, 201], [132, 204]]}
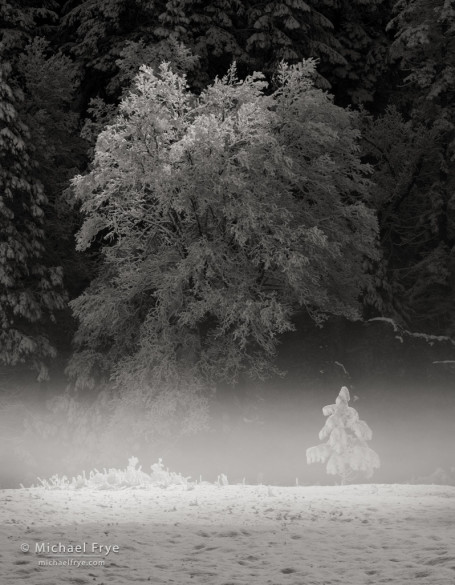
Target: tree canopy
{"points": [[218, 217]]}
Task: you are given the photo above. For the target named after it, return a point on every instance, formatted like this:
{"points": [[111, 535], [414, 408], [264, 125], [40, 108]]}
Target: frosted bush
{"points": [[131, 477]]}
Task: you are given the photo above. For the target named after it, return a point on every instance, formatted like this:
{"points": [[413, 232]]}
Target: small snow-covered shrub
{"points": [[346, 451], [132, 476]]}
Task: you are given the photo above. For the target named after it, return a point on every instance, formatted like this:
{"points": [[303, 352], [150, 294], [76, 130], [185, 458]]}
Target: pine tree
{"points": [[412, 148], [257, 35], [213, 31], [49, 81], [346, 451], [413, 279], [41, 84], [291, 30], [96, 32], [359, 29], [30, 291]]}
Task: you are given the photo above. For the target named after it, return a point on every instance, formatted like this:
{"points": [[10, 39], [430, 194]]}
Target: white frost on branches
{"points": [[430, 339]]}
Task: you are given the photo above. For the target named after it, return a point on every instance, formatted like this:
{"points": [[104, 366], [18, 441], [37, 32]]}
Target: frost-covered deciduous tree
{"points": [[218, 217], [345, 451]]}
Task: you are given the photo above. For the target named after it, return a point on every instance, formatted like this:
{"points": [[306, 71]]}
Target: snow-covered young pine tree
{"points": [[346, 451]]}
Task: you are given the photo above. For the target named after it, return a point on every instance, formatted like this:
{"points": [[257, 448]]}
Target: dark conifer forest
{"points": [[214, 215]]}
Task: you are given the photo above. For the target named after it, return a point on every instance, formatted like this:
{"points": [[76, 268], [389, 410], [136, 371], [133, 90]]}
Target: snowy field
{"points": [[230, 535]]}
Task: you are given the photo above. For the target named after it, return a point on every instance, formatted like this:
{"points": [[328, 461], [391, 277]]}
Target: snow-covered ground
{"points": [[230, 535]]}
